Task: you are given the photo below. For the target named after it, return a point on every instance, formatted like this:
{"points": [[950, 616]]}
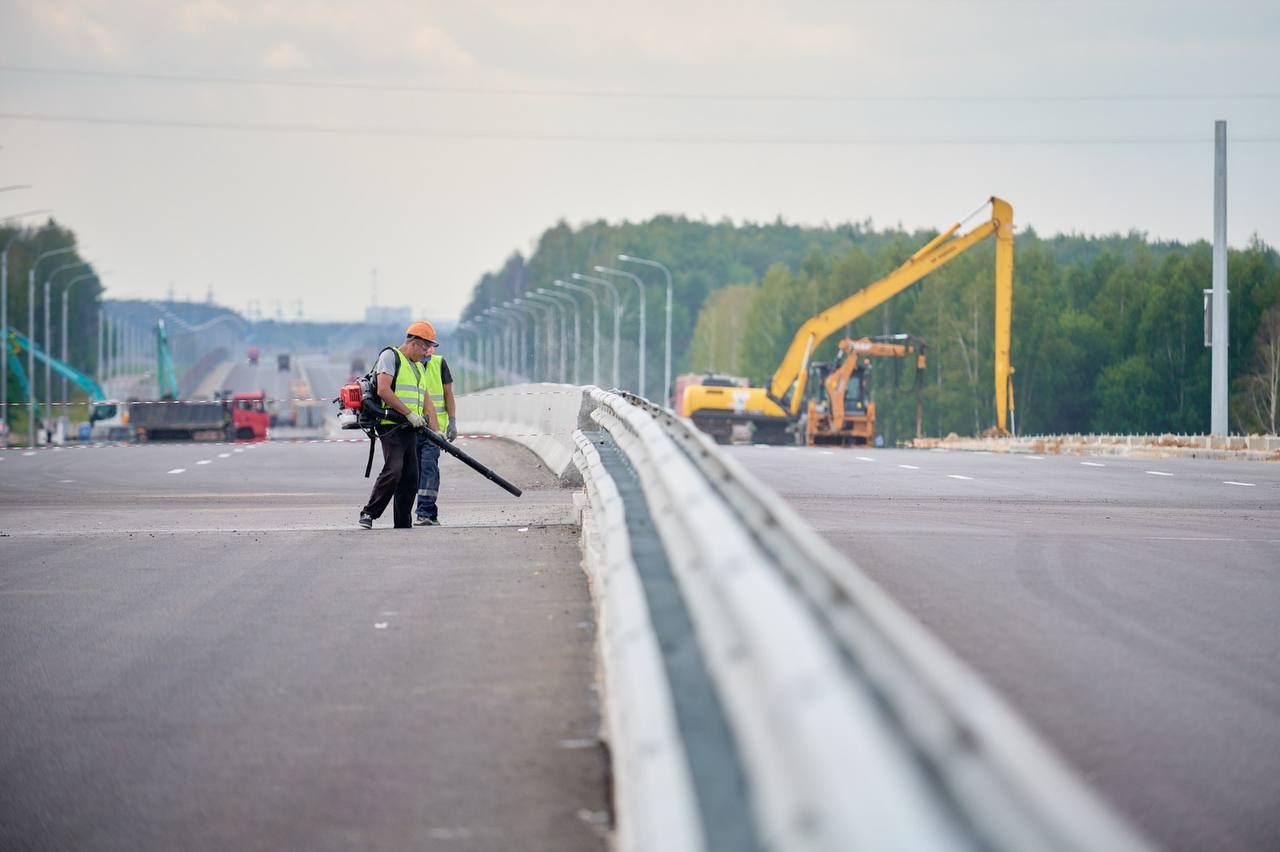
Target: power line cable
{"points": [[628, 138], [613, 94]]}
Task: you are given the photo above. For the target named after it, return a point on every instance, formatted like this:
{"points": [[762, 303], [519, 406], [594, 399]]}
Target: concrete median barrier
{"points": [[742, 656]]}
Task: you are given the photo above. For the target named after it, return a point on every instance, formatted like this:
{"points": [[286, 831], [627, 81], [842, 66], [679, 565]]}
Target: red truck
{"points": [[239, 417], [253, 354]]}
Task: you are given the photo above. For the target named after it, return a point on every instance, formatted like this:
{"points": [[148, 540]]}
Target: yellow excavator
{"points": [[771, 413], [840, 410]]}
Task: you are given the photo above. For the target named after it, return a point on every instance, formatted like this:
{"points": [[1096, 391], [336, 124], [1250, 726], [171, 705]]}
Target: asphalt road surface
{"points": [[199, 649], [1129, 608]]}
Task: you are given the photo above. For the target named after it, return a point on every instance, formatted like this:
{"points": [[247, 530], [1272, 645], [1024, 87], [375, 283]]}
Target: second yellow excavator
{"points": [[841, 411], [771, 413]]}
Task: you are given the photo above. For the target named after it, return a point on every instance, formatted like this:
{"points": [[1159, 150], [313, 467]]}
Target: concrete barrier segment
{"points": [[799, 721], [541, 417], [1012, 792], [654, 800]]}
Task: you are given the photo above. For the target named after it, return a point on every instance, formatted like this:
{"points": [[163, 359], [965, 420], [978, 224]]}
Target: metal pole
{"points": [[31, 335], [617, 320], [644, 327], [577, 332], [66, 298], [1221, 326], [555, 305], [4, 330], [595, 325], [666, 387]]}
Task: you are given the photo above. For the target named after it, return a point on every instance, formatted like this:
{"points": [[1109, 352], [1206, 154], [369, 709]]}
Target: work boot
{"points": [[366, 520]]}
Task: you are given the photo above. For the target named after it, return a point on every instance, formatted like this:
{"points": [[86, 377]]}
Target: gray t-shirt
{"points": [[387, 363]]}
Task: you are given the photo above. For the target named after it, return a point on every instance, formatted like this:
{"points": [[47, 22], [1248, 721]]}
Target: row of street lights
{"points": [[495, 341]]}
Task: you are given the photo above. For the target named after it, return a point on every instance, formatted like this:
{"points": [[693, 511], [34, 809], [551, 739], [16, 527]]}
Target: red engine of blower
{"points": [[350, 396]]}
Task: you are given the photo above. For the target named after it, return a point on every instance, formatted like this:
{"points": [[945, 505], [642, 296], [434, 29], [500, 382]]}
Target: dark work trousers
{"points": [[399, 478], [428, 478]]}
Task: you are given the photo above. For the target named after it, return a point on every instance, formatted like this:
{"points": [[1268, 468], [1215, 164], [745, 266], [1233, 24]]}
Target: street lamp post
{"points": [[535, 310], [617, 319], [48, 342], [4, 330], [520, 309], [559, 309], [66, 298], [504, 354], [31, 334], [626, 258], [595, 324], [577, 333], [608, 270]]}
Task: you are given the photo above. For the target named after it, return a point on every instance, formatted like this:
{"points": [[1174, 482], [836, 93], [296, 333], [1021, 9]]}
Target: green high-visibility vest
{"points": [[411, 384], [435, 389]]}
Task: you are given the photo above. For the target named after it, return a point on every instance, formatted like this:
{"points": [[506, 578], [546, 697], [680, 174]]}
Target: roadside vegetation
{"points": [[1107, 330]]}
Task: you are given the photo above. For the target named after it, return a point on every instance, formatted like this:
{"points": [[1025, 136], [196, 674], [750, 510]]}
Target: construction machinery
{"points": [[772, 413], [840, 410], [99, 407]]}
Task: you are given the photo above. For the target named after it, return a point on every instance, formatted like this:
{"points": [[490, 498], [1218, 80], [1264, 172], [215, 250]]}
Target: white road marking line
{"points": [[1035, 458], [523, 529], [205, 461], [380, 625], [908, 467], [825, 453], [237, 451], [1159, 473], [761, 446], [982, 453], [224, 455], [1233, 482], [938, 450], [29, 453], [1093, 464], [792, 448], [958, 476], [65, 481], [865, 458], [179, 470]]}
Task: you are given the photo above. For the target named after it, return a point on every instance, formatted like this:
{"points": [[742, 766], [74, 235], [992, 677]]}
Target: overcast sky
{"points": [[281, 151]]}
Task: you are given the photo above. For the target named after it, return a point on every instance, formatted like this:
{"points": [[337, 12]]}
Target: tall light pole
{"points": [[617, 319], [4, 330], [508, 344], [666, 378], [521, 351], [31, 335], [66, 298], [4, 314], [526, 370], [559, 309], [535, 310], [595, 324], [609, 270], [48, 339], [577, 333], [1218, 388]]}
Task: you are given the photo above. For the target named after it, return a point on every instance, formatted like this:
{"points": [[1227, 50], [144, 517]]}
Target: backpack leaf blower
{"points": [[360, 407]]}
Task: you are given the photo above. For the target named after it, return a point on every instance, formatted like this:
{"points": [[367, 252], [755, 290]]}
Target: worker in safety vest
{"points": [[440, 395], [399, 476]]}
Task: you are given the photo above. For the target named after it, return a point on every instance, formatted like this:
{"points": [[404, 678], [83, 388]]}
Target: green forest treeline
{"points": [[1107, 331]]}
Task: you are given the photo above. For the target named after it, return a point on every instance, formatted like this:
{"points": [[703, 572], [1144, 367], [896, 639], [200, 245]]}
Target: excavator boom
{"points": [[787, 387]]}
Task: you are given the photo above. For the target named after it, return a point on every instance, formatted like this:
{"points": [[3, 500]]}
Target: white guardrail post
{"points": [[855, 728]]}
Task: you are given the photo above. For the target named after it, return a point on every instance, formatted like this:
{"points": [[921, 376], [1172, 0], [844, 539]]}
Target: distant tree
{"points": [[1260, 402]]}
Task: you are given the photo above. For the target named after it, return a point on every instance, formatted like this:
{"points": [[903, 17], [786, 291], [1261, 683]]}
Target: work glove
{"points": [[451, 431], [416, 420]]}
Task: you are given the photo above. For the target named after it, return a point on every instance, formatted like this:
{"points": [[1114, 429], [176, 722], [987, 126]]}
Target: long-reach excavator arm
{"points": [[787, 388]]}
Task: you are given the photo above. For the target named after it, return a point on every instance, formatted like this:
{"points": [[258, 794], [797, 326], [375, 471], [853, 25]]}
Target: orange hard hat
{"points": [[422, 329]]}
